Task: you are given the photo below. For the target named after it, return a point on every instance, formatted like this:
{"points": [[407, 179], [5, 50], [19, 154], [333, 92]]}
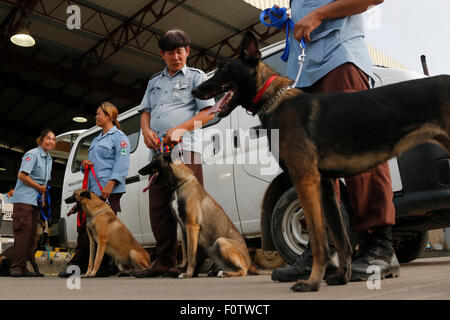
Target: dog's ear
{"points": [[85, 194], [249, 48]]}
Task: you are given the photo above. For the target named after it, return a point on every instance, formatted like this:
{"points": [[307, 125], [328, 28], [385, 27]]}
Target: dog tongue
{"points": [[150, 181], [219, 104]]}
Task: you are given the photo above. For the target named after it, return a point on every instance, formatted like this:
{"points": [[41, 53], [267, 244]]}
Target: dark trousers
{"points": [[25, 221], [370, 193], [163, 223], [81, 256]]}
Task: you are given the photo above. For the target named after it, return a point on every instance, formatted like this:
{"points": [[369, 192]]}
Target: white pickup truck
{"points": [[257, 196]]}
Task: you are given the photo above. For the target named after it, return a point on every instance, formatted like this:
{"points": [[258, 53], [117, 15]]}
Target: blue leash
{"points": [[47, 201], [280, 20]]}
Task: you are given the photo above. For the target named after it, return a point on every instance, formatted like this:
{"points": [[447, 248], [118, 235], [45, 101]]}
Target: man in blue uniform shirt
{"points": [[337, 60], [169, 108]]}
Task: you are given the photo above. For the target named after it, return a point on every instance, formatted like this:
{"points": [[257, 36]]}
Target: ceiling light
{"points": [[79, 119], [23, 38]]}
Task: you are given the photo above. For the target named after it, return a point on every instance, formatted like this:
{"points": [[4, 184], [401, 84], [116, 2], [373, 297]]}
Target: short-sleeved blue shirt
{"points": [[170, 102], [333, 43], [38, 165], [110, 154]]}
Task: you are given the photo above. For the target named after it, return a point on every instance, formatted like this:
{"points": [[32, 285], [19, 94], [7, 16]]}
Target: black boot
{"points": [[376, 250], [301, 268]]}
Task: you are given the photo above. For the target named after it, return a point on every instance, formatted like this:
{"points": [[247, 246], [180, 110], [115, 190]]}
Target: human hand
{"points": [[305, 26], [86, 162], [42, 190], [151, 139], [106, 192], [173, 136]]}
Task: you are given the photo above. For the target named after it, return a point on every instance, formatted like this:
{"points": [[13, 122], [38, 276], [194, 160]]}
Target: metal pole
{"points": [[423, 59]]}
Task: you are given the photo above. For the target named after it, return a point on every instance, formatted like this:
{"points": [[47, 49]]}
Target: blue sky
{"points": [[406, 29]]}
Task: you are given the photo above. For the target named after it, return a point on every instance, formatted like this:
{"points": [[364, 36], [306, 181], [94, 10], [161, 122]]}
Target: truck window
{"points": [[131, 127]]}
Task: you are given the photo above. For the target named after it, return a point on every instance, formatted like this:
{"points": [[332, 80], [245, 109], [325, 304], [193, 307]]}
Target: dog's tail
{"points": [[254, 270]]}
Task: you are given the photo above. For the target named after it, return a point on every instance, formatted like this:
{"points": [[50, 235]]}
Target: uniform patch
{"points": [[28, 159], [123, 144], [123, 151]]}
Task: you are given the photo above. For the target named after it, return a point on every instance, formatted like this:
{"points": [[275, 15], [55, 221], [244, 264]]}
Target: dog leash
{"points": [[46, 200], [81, 217], [166, 148], [279, 19]]}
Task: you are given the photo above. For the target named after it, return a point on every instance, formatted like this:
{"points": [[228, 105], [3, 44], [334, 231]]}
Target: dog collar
{"points": [[263, 89], [101, 211]]}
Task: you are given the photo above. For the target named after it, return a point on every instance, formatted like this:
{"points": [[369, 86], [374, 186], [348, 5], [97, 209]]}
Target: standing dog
{"points": [[328, 136], [204, 223], [109, 234]]}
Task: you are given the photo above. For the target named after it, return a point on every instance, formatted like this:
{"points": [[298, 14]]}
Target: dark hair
{"points": [[174, 39], [44, 133]]}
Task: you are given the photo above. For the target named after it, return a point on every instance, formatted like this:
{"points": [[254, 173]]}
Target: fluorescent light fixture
{"points": [[79, 119]]}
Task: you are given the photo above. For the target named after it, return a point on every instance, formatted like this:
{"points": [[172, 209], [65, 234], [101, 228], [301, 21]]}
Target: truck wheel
{"points": [[288, 226], [410, 248]]}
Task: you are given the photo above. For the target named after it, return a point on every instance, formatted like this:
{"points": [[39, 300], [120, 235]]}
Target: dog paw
{"points": [[336, 279], [220, 274], [305, 286], [184, 276]]}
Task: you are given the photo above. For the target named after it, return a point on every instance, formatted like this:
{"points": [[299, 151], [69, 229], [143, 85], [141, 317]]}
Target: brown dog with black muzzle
{"points": [[205, 225], [327, 136], [108, 234]]}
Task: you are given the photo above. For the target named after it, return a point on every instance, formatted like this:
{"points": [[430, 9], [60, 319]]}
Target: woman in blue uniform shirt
{"points": [[109, 154], [34, 174]]}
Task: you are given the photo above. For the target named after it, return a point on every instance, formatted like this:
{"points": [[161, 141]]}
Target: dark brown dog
{"points": [[108, 234], [327, 136], [204, 224], [5, 257]]}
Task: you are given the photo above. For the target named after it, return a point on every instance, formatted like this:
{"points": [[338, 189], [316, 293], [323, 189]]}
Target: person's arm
{"points": [[174, 134], [334, 10], [26, 179]]}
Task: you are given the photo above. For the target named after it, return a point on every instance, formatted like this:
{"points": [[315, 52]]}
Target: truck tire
{"points": [[409, 249], [288, 226]]}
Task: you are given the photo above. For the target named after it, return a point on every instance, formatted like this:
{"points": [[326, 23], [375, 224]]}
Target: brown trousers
{"points": [[370, 193], [25, 221], [163, 223], [81, 256]]}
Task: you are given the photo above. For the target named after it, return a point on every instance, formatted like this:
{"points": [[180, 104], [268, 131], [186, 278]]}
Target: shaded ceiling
{"points": [[70, 72]]}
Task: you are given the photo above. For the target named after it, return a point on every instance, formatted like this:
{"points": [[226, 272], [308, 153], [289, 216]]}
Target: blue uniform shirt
{"points": [[38, 165], [333, 43], [110, 154], [170, 102]]}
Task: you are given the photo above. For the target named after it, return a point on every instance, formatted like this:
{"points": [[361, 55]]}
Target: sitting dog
{"points": [[108, 234], [328, 136], [5, 257], [204, 224]]}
